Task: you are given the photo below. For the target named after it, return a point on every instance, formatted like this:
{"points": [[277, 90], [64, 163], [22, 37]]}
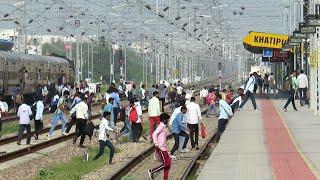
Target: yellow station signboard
{"points": [[265, 40]]}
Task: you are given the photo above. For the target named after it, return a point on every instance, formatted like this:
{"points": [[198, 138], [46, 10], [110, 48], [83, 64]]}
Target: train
{"points": [[29, 71]]}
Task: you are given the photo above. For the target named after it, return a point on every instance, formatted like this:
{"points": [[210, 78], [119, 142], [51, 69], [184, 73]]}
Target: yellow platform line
{"points": [[310, 165]]}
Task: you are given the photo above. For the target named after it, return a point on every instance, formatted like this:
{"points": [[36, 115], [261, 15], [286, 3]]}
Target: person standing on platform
{"points": [[81, 110], [58, 115], [303, 87], [248, 90], [154, 112], [193, 119], [225, 114], [24, 113], [293, 83], [103, 140], [38, 124], [160, 141], [272, 84]]}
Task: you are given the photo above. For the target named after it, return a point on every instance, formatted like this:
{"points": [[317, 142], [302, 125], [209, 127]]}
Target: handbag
{"points": [[203, 132]]}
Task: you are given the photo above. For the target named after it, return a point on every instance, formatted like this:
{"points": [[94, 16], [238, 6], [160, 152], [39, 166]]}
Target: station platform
{"points": [[267, 144]]}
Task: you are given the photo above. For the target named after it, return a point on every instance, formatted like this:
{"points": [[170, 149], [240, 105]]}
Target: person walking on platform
{"points": [[194, 116], [38, 124], [303, 87], [58, 115], [248, 90], [179, 129], [160, 141], [154, 112], [24, 113], [225, 114], [103, 140], [292, 87], [265, 83], [81, 110]]}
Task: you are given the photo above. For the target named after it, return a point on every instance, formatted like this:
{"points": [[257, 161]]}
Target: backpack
{"points": [[133, 115], [34, 110], [89, 129], [53, 105]]}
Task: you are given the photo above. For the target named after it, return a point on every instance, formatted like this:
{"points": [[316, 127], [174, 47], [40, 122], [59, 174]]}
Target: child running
{"points": [[103, 141], [159, 137]]}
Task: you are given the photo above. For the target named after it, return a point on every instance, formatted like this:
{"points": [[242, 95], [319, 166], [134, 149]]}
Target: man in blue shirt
{"points": [[225, 114], [116, 104], [178, 128]]}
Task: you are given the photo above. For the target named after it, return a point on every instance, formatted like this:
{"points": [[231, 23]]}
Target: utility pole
{"points": [[77, 63]]}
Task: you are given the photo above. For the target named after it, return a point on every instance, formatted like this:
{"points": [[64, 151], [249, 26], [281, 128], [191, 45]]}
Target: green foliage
{"points": [[76, 167], [101, 59], [9, 128]]}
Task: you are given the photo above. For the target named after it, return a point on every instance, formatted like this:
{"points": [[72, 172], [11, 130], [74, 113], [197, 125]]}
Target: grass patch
{"points": [[10, 128], [192, 177], [76, 167], [123, 139]]}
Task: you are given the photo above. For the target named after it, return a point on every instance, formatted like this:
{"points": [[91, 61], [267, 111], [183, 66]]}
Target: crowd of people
{"points": [[125, 104]]}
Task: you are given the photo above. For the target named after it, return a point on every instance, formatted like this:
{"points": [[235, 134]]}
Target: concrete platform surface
{"points": [[267, 144]]}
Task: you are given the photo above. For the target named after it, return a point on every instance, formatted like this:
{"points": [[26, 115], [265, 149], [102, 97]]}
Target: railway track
{"points": [[31, 149]]}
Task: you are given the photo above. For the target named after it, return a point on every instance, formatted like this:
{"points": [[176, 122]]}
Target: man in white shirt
{"points": [[193, 118], [103, 140], [248, 90], [203, 94], [136, 126], [303, 87], [2, 110], [179, 90], [81, 110], [38, 124], [154, 112], [24, 113]]}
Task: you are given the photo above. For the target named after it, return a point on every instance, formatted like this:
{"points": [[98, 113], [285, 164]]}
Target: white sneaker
{"points": [[65, 134], [240, 109], [173, 157], [48, 137], [185, 150], [150, 174]]}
